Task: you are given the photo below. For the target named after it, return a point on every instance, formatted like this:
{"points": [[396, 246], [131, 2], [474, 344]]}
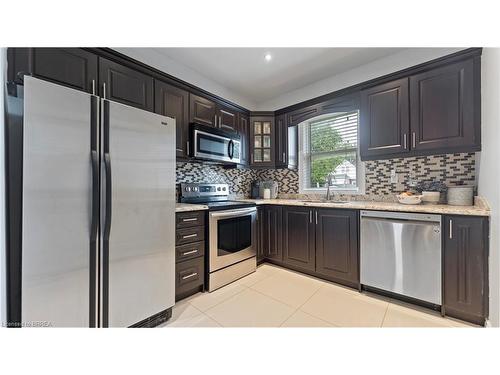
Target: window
{"points": [[329, 149]]}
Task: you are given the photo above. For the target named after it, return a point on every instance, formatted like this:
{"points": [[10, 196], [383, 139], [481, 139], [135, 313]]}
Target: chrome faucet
{"points": [[328, 183]]}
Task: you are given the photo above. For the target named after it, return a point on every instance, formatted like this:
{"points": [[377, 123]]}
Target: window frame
{"points": [[304, 157]]}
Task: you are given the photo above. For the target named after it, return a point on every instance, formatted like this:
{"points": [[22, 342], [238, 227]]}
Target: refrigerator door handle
{"points": [[95, 196]]}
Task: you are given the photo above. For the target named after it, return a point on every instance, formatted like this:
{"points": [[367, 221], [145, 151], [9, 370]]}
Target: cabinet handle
{"points": [[310, 217], [316, 214], [190, 235], [189, 276], [215, 121], [190, 252], [191, 219], [187, 148], [404, 141], [451, 229], [93, 87], [283, 157], [104, 90], [413, 139]]}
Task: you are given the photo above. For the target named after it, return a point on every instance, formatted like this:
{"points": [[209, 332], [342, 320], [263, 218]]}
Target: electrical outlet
{"points": [[394, 177]]}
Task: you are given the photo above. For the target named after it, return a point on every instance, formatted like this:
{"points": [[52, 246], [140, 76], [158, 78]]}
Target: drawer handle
{"points": [[189, 276], [190, 252], [190, 235], [191, 219]]}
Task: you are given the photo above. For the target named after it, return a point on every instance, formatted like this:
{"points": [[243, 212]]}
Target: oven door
{"points": [[232, 236], [216, 147]]}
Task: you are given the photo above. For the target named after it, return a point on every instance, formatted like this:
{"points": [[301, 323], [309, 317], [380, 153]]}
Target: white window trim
{"points": [[360, 167]]}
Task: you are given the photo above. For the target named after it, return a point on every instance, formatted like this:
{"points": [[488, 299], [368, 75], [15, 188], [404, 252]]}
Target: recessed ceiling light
{"points": [[268, 57]]}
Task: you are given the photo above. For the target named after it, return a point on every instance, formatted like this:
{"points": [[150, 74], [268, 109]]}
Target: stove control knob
{"points": [[187, 188], [195, 188], [224, 188], [218, 188]]}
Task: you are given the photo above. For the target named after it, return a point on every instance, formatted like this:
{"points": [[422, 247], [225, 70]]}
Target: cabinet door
{"points": [[71, 67], [260, 233], [272, 232], [202, 111], [243, 130], [337, 245], [281, 141], [174, 102], [384, 123], [262, 141], [124, 85], [298, 237], [442, 108], [465, 267], [227, 119]]}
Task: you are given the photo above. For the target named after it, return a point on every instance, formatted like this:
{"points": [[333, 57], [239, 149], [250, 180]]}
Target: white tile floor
{"points": [[275, 297]]}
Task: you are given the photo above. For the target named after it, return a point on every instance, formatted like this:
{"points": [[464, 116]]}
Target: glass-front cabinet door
{"points": [[262, 141]]}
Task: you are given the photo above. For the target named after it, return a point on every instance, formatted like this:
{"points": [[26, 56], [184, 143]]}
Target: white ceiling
{"points": [[245, 72]]}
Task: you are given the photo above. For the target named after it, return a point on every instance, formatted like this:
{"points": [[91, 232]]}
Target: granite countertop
{"points": [[186, 207], [479, 209]]}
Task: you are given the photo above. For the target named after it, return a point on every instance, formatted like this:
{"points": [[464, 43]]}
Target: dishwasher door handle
{"points": [[400, 221]]}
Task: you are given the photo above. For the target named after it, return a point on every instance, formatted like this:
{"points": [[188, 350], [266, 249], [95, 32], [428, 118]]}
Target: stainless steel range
{"points": [[231, 232]]}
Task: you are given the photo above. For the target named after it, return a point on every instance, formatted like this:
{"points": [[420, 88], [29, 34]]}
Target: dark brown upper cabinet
{"points": [[125, 85], [300, 115], [337, 245], [384, 120], [243, 131], [298, 237], [173, 102], [71, 67], [227, 119], [272, 234], [262, 142], [466, 268], [442, 103], [202, 111], [281, 141]]}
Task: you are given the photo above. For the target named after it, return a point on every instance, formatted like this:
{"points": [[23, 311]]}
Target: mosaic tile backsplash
{"points": [[448, 168]]}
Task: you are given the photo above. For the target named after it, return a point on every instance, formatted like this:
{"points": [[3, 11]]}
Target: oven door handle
{"points": [[232, 213]]}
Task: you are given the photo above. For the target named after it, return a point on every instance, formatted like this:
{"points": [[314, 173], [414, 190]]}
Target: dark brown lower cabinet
{"points": [[298, 237], [271, 239], [260, 232], [466, 268], [337, 245]]}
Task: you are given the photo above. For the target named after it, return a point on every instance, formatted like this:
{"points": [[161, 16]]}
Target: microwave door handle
{"points": [[230, 149]]}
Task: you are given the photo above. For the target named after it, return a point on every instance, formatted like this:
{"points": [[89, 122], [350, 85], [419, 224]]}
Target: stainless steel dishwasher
{"points": [[401, 253]]}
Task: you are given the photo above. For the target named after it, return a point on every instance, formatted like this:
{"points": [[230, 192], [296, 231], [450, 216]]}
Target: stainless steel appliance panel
{"points": [[142, 207], [56, 220], [401, 253], [219, 258]]}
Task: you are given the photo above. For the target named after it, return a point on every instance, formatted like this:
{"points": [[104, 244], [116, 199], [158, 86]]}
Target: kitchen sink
{"points": [[321, 201]]}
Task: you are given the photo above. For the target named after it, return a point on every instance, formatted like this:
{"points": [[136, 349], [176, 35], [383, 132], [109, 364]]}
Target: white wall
{"points": [[161, 62], [380, 67], [3, 73], [489, 167]]}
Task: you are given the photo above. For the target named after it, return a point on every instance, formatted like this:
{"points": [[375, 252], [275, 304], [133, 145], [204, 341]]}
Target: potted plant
{"points": [[431, 191]]}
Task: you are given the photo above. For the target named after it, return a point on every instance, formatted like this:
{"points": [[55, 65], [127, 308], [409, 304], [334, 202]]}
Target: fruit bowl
{"points": [[409, 199]]}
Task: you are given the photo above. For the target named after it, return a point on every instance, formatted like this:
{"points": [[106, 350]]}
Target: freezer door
{"points": [[57, 250], [139, 214]]}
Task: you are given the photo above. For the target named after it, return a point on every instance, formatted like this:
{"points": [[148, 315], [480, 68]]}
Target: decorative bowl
{"points": [[409, 199]]}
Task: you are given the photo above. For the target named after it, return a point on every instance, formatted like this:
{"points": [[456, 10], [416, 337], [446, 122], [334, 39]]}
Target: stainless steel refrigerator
{"points": [[98, 211]]}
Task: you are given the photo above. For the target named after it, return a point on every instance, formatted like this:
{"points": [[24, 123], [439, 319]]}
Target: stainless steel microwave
{"points": [[208, 143]]}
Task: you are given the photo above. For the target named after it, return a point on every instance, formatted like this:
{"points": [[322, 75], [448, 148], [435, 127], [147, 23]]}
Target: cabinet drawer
{"points": [[189, 275], [188, 235], [189, 219], [189, 251]]}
